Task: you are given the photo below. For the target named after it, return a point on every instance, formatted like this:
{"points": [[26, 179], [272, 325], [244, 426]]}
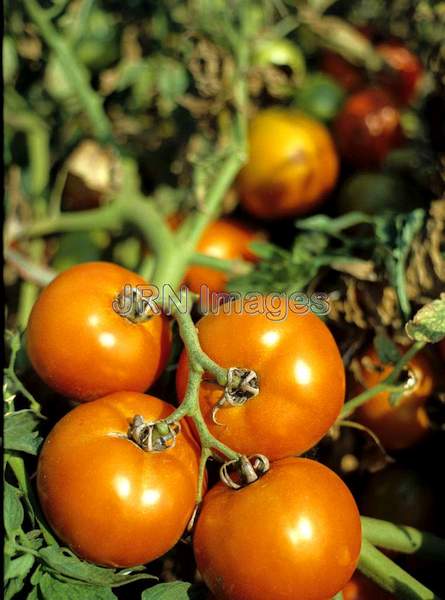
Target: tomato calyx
{"points": [[132, 304], [155, 436], [242, 384], [246, 469]]}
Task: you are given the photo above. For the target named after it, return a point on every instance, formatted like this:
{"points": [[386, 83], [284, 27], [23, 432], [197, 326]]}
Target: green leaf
{"points": [[13, 587], [33, 594], [176, 590], [386, 349], [53, 589], [63, 562], [12, 510], [20, 432], [325, 224], [428, 324], [18, 568]]}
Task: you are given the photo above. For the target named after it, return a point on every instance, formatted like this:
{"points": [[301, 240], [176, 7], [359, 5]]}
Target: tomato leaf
{"points": [[386, 349], [12, 510], [53, 589], [428, 324], [63, 562], [176, 590], [19, 567], [20, 432], [13, 587]]}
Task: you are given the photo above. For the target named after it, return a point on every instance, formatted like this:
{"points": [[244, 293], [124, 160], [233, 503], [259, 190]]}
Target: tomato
{"points": [[400, 495], [300, 372], [402, 425], [367, 128], [350, 77], [320, 96], [227, 239], [81, 347], [404, 78], [362, 588], [112, 502], [292, 164], [294, 533]]}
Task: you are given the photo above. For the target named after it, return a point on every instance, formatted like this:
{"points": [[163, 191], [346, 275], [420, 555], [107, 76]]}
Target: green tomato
{"points": [[376, 193], [320, 96], [280, 53]]}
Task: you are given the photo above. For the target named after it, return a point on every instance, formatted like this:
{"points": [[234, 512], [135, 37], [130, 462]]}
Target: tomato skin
{"points": [[227, 239], [113, 503], [404, 80], [350, 77], [301, 380], [296, 172], [295, 533], [403, 425], [367, 128], [362, 588], [81, 347]]}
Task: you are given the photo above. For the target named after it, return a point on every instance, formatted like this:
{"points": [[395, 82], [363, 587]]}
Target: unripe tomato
{"points": [[292, 164], [367, 128], [294, 533], [112, 502], [406, 72], [350, 77], [300, 372], [406, 423], [362, 588], [320, 96], [227, 239], [81, 347]]}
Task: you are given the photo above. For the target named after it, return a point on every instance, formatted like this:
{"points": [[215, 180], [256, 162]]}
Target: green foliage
{"points": [[428, 324], [176, 590]]}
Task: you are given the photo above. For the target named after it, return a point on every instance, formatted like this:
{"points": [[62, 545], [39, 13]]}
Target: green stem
{"points": [[206, 453], [229, 266], [404, 539], [378, 567], [384, 385], [90, 100]]}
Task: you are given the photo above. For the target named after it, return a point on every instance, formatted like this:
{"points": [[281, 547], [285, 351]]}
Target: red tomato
{"points": [[350, 77], [292, 164], [112, 502], [294, 533], [406, 72], [227, 239], [362, 588], [406, 423], [300, 371], [81, 347], [367, 128]]}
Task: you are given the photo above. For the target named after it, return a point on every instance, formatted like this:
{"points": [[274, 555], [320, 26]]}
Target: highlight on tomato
{"points": [[82, 347], [294, 533], [291, 167], [295, 364], [109, 500], [405, 423]]}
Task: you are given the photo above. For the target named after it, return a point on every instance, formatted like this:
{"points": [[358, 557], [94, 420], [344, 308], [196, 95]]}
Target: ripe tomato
{"points": [[350, 77], [227, 239], [406, 423], [367, 128], [400, 495], [298, 525], [406, 72], [110, 501], [362, 588], [300, 372], [81, 347], [292, 164]]}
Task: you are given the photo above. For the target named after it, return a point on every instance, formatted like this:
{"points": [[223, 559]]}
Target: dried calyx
{"points": [[244, 470], [133, 305], [153, 437], [242, 384]]}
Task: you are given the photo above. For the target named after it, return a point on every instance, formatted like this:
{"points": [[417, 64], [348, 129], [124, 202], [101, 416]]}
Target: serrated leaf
{"points": [[386, 349], [12, 510], [428, 324], [20, 432], [18, 568], [53, 589], [176, 590], [64, 562]]}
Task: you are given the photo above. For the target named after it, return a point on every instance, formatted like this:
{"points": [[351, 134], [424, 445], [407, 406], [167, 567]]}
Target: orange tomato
{"points": [[112, 502], [227, 239], [362, 588], [300, 372], [292, 164], [294, 533], [402, 425], [81, 347]]}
